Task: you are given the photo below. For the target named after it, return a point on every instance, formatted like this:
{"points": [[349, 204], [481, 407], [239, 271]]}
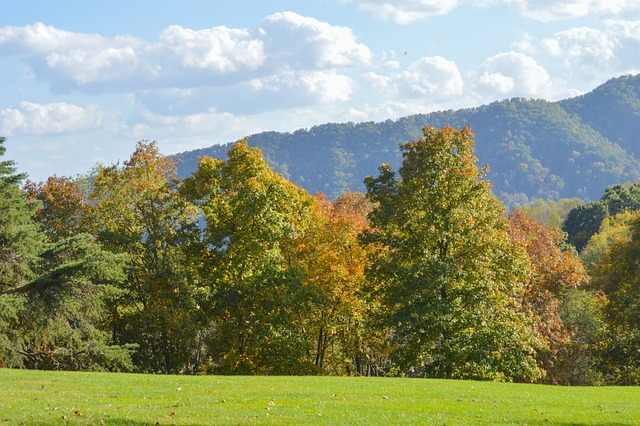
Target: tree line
{"points": [[236, 270]]}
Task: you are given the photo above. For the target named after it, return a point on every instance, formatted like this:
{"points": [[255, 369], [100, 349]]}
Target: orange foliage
{"points": [[552, 271]]}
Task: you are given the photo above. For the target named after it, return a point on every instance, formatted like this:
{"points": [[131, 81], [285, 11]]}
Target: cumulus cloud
{"points": [[430, 76], [35, 119], [40, 38], [629, 30], [182, 57], [580, 46], [512, 73], [406, 11], [316, 87], [306, 43], [218, 49], [552, 10], [525, 44], [435, 77]]}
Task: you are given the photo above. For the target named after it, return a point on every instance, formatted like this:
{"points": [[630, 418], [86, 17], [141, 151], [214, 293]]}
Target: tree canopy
{"points": [[449, 277], [237, 270]]}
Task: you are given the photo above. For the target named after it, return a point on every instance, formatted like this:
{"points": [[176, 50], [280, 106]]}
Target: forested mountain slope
{"points": [[535, 149]]}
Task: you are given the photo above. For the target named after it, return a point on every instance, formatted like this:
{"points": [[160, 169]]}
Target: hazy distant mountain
{"points": [[572, 148]]}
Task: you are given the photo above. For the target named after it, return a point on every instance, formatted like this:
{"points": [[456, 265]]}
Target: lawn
{"points": [[39, 397]]}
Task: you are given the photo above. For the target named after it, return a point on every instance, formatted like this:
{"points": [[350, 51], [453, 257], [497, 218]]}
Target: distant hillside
{"points": [[572, 148]]}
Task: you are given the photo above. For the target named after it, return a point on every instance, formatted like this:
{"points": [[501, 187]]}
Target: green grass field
{"points": [[39, 397]]}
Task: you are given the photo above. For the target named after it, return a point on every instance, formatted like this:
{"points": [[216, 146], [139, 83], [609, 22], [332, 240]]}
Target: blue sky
{"points": [[81, 82]]}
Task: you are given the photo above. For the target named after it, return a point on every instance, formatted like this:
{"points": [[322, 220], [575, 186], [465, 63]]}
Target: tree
{"points": [[553, 272], [582, 314], [449, 278], [249, 260], [20, 243], [584, 221], [51, 295], [549, 212], [63, 326], [621, 198], [138, 211], [617, 276], [64, 207], [334, 261], [613, 229], [20, 236]]}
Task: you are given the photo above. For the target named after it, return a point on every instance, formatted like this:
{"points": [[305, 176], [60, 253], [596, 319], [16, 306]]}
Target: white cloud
{"points": [[379, 84], [525, 44], [553, 10], [87, 66], [307, 87], [627, 35], [40, 38], [406, 11], [306, 43], [35, 119], [624, 30], [436, 77], [218, 49], [513, 73], [582, 46], [182, 57]]}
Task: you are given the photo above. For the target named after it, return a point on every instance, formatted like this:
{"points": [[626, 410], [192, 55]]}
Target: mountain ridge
{"points": [[535, 148]]}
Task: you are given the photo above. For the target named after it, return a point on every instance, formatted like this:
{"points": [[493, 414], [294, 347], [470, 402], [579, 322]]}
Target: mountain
{"points": [[535, 148]]}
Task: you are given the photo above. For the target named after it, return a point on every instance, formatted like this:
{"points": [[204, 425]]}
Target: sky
{"points": [[82, 81]]}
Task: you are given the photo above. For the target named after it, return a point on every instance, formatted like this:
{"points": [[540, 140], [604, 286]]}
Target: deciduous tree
{"points": [[618, 277], [64, 209], [139, 212], [549, 212], [450, 279], [249, 261], [584, 221], [334, 261], [553, 272], [613, 230]]}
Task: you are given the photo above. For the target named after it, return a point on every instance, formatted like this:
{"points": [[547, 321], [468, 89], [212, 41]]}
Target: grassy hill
{"points": [[41, 397], [535, 149]]}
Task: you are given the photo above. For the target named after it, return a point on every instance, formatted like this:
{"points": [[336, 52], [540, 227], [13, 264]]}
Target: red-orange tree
{"points": [[553, 271], [334, 262], [65, 208]]}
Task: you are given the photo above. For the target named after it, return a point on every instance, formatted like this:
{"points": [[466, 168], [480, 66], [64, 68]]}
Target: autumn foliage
{"points": [[237, 270]]}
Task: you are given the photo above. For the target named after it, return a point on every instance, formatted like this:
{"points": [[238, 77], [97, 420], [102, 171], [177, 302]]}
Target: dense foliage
{"points": [[53, 295], [449, 277], [234, 269]]}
